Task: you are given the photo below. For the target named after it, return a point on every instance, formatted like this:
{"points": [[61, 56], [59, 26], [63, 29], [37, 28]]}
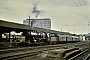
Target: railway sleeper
{"points": [[70, 49], [70, 54], [21, 56], [63, 53]]}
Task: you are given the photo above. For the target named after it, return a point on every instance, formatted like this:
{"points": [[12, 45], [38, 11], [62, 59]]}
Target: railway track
{"points": [[22, 55], [32, 53], [85, 55], [18, 56], [29, 48], [35, 47]]}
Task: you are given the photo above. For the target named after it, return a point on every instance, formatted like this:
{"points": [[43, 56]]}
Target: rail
{"points": [[22, 55], [73, 58]]}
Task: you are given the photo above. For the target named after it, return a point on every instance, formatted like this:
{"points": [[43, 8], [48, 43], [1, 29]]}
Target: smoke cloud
{"points": [[36, 11]]}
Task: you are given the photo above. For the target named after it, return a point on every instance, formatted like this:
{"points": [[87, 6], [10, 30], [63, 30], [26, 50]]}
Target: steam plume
{"points": [[36, 11]]}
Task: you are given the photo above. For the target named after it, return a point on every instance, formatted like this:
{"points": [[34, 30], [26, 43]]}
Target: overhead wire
{"points": [[84, 2], [79, 8], [82, 10], [54, 2], [87, 7], [58, 5], [79, 2]]}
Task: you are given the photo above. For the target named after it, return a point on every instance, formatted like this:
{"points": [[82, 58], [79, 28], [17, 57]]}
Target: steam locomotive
{"points": [[45, 39], [40, 39]]}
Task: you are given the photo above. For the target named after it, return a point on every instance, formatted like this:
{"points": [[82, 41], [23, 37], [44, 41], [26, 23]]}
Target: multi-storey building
{"points": [[41, 23]]}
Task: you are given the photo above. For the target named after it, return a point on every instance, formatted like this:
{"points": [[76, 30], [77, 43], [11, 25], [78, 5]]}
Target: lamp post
{"points": [[74, 29], [88, 27], [68, 30], [61, 29], [66, 26]]}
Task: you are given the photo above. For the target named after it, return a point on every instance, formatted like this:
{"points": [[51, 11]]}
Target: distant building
{"points": [[82, 38], [41, 23]]}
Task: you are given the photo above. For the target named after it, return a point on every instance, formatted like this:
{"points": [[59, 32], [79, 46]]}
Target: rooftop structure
{"points": [[41, 23]]}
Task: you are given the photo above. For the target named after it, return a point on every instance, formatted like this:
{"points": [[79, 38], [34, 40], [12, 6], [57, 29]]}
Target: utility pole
{"points": [[74, 31], [29, 21], [61, 29], [30, 27], [88, 27]]}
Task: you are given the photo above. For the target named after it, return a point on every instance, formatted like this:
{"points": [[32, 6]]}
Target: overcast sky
{"points": [[70, 15]]}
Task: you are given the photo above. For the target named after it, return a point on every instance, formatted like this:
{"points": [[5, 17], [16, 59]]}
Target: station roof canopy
{"points": [[11, 26], [6, 26], [49, 31]]}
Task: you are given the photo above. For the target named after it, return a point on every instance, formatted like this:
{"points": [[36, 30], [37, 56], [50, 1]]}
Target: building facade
{"points": [[41, 23]]}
